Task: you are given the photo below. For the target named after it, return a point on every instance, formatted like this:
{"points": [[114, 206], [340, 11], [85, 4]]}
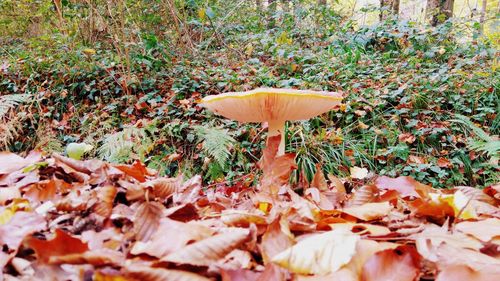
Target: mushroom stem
{"points": [[277, 127]]}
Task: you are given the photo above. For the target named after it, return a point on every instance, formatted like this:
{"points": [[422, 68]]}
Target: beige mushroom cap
{"points": [[267, 104]]}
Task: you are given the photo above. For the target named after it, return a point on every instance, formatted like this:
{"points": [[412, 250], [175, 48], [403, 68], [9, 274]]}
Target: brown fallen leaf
{"points": [[106, 196], [369, 211], [276, 239], [276, 169], [484, 230], [465, 273], [406, 186], [100, 257], [144, 273], [163, 188], [401, 263], [146, 219], [178, 234], [209, 250], [20, 225], [12, 162], [60, 245], [433, 236], [363, 195]]}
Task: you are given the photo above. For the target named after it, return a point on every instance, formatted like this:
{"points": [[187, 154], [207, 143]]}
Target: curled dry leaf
{"points": [[276, 169], [209, 250], [400, 264], [144, 273], [147, 219], [106, 196], [369, 211], [62, 244], [163, 188], [363, 195], [319, 180], [137, 170], [319, 253], [276, 239]]}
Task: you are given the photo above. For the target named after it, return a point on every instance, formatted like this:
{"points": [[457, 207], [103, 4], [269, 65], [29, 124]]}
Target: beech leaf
{"points": [[209, 250], [62, 244], [319, 253]]}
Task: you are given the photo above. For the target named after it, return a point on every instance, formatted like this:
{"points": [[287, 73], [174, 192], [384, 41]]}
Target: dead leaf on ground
{"points": [[60, 245], [209, 250], [319, 253]]}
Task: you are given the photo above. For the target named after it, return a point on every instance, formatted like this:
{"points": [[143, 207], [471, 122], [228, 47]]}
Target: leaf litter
{"points": [[67, 219]]}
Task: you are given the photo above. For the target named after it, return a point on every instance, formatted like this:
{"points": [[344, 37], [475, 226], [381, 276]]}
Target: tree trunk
{"points": [[482, 18], [438, 11], [388, 7]]}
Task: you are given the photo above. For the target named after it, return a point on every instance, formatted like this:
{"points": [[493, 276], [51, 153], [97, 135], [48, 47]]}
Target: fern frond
{"points": [[217, 143], [121, 146], [8, 102], [485, 143], [480, 133]]}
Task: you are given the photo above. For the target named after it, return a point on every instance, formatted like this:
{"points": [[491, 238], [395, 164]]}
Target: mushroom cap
{"points": [[267, 104]]}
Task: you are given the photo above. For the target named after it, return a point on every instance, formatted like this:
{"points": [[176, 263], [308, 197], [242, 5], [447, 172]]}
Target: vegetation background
{"points": [[420, 80]]}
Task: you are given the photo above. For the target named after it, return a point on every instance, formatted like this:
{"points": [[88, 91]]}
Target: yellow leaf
{"points": [[319, 254], [16, 205], [202, 14], [6, 215]]}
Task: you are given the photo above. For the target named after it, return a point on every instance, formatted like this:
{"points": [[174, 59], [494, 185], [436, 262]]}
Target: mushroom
{"points": [[274, 106]]}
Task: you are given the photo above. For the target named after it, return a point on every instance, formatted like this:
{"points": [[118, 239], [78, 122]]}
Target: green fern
{"points": [[121, 146], [485, 143], [216, 143], [8, 102]]}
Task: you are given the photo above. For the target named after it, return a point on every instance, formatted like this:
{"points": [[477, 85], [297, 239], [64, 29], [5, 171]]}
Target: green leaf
{"points": [[76, 150]]}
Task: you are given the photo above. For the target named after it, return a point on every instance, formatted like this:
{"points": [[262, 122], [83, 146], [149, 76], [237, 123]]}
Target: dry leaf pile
{"points": [[63, 219]]}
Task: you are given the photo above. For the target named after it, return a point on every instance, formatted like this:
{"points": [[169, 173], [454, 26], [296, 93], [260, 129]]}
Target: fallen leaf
{"points": [[369, 211], [407, 137], [178, 234], [106, 196], [484, 230], [363, 195], [465, 273], [401, 264], [146, 219], [276, 239], [358, 173], [209, 250], [62, 244], [406, 186], [144, 273], [11, 162], [319, 253], [319, 180]]}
